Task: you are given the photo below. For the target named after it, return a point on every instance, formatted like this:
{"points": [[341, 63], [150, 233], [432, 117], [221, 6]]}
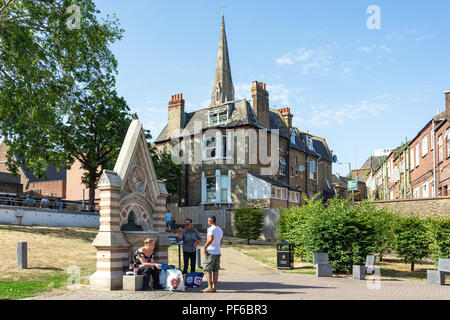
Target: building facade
{"points": [[419, 168], [239, 153]]}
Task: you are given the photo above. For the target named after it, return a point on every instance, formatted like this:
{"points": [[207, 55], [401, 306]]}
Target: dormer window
{"points": [[293, 135], [309, 143], [218, 116]]}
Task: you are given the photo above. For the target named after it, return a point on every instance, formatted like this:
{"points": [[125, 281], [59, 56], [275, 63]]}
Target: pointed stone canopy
{"points": [[135, 168], [132, 209], [223, 89]]}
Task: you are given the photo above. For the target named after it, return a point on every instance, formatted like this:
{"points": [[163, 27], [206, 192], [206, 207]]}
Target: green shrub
{"points": [[248, 223], [412, 239], [292, 225], [347, 232], [440, 233]]}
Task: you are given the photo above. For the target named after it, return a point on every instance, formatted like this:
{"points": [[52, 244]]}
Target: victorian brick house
{"points": [[420, 168], [221, 148]]}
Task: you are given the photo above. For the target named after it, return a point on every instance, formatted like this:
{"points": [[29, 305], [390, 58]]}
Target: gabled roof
{"points": [[51, 174], [240, 114], [373, 162]]}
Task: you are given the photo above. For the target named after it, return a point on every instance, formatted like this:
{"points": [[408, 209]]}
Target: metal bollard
{"points": [[198, 259], [22, 254]]}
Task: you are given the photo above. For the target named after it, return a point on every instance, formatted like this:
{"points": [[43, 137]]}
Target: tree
{"points": [[57, 97], [249, 223], [440, 232], [166, 170], [347, 232], [412, 239]]}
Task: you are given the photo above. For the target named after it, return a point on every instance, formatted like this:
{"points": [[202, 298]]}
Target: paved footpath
{"points": [[243, 278]]}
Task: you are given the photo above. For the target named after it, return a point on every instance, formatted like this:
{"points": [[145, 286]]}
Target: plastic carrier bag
{"points": [[174, 280], [162, 278], [194, 279]]}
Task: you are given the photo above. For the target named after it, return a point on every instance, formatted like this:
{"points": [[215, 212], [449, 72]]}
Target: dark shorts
{"points": [[212, 263]]}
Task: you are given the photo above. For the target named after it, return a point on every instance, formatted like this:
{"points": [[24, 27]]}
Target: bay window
{"points": [[216, 188]]}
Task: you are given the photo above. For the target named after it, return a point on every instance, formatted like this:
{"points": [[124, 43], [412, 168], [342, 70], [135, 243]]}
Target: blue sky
{"points": [[360, 89]]}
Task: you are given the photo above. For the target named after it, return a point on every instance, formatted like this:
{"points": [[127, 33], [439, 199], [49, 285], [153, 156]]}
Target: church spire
{"points": [[223, 89]]}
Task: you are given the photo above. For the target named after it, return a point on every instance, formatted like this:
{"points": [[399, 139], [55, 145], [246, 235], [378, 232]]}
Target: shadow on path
{"points": [[257, 287]]}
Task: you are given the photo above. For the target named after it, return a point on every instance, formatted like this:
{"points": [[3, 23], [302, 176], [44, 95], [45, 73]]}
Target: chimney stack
{"points": [[287, 116], [261, 103], [447, 104], [176, 116]]}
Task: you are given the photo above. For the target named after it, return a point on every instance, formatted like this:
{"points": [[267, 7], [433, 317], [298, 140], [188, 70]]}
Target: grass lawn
{"points": [[51, 251], [391, 267], [173, 258]]}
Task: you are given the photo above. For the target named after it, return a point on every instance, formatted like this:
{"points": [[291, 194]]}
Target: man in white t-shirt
{"points": [[212, 254]]}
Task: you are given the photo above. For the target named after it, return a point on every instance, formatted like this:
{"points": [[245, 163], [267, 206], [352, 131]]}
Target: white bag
{"points": [[162, 278], [174, 280]]}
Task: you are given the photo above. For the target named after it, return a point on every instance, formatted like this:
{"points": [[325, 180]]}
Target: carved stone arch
{"points": [[142, 208]]}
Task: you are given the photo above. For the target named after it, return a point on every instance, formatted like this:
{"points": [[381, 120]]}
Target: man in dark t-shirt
{"points": [[191, 238]]}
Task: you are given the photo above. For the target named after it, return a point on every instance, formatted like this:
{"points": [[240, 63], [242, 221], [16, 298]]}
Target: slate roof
{"points": [[51, 174], [373, 162], [339, 180], [6, 177], [240, 114]]}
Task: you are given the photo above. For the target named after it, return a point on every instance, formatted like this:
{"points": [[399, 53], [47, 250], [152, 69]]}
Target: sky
{"points": [[361, 89]]}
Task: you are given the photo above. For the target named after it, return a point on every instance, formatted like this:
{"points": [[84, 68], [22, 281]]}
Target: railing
{"points": [[62, 205]]}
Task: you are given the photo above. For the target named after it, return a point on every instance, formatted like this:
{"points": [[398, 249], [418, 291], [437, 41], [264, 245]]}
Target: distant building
{"points": [[65, 184], [419, 168], [372, 163], [340, 186]]}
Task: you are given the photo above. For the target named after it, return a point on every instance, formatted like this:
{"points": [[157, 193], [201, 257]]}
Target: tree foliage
{"points": [[347, 232], [440, 233], [248, 223], [57, 87], [412, 239]]}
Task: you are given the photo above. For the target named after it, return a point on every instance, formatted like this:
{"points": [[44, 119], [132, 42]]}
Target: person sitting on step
{"points": [[143, 260]]}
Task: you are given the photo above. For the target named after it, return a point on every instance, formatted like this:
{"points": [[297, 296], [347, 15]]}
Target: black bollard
{"points": [[199, 259], [22, 254]]}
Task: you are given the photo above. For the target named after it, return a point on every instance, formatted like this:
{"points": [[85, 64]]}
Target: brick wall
{"points": [[423, 207]]}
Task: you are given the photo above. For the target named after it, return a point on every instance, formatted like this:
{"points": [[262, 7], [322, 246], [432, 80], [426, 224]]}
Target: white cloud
{"points": [[424, 38], [243, 91], [324, 115], [376, 48], [318, 62], [285, 59]]}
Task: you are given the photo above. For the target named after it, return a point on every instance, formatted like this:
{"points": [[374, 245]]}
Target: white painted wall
{"points": [[48, 218], [257, 189]]}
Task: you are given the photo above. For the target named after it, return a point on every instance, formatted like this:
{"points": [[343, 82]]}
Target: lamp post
{"points": [[349, 166], [350, 173]]}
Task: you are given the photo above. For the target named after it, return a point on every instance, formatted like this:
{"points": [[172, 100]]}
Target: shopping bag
{"points": [[190, 279], [198, 279], [174, 280], [162, 278], [194, 279]]}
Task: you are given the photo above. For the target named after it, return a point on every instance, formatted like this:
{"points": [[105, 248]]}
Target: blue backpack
{"points": [[194, 279]]}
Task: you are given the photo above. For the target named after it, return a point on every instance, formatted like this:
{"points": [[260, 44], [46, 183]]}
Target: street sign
{"points": [[352, 185]]}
